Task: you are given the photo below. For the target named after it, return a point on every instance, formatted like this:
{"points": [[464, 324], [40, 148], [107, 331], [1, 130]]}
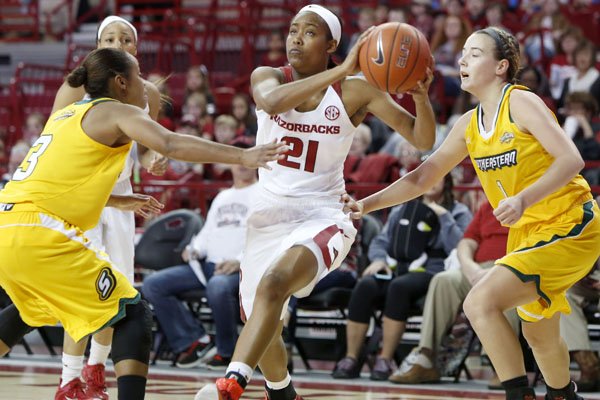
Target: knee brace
{"points": [[132, 339], [12, 327]]}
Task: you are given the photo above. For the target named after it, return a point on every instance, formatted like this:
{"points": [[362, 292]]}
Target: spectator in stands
{"points": [[17, 155], [535, 80], [397, 15], [574, 328], [275, 55], [242, 110], [366, 19], [484, 241], [446, 47], [213, 260], [494, 15], [381, 13], [34, 125], [196, 81], [587, 77], [225, 132], [196, 104], [581, 108], [550, 23], [166, 111], [454, 7], [476, 13], [418, 236], [421, 17], [562, 65], [409, 157]]}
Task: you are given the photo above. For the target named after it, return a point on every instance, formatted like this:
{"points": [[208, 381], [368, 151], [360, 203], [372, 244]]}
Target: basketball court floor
{"points": [[34, 377]]}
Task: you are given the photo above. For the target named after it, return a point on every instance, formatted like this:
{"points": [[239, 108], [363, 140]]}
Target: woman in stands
{"points": [[50, 269], [528, 168], [298, 233], [116, 229]]}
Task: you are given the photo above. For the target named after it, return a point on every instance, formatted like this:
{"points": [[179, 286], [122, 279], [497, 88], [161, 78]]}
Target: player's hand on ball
{"points": [[421, 90], [259, 156], [351, 62], [354, 207]]}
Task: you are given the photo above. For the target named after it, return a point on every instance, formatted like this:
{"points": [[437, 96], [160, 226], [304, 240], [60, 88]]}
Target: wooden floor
{"points": [[35, 377]]}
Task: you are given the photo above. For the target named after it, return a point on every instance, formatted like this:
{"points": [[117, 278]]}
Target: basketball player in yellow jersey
{"points": [[49, 269], [528, 168]]}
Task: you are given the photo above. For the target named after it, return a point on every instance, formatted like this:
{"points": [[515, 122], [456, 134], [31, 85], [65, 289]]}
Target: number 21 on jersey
{"points": [[28, 165], [297, 151]]}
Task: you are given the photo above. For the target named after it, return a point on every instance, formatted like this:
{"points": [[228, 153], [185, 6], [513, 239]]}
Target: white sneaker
{"points": [[208, 392]]}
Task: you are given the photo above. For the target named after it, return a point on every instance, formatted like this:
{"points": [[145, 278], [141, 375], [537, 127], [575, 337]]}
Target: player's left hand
{"points": [[159, 165], [509, 210], [141, 204], [227, 267], [354, 207], [421, 91], [259, 156]]}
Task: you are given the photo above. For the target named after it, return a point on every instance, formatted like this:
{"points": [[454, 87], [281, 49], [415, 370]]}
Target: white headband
{"points": [[330, 19], [113, 18]]}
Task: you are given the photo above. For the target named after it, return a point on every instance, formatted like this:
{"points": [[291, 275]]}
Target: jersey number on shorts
{"points": [[297, 150], [28, 165]]}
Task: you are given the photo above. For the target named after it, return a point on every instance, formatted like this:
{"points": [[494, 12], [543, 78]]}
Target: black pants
{"points": [[396, 296]]}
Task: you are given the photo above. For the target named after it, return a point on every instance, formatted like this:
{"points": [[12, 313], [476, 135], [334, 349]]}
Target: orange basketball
{"points": [[395, 57]]}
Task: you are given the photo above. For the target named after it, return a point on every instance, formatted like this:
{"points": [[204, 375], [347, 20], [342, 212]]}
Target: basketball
{"points": [[395, 57]]}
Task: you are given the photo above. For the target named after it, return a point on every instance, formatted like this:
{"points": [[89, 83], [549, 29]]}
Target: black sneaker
{"points": [[193, 355], [218, 363]]}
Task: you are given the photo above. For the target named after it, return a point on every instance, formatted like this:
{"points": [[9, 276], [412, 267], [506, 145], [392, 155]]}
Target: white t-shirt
{"points": [[223, 235], [319, 142]]}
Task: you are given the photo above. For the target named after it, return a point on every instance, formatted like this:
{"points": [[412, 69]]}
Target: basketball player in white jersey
{"points": [[298, 233], [115, 231]]}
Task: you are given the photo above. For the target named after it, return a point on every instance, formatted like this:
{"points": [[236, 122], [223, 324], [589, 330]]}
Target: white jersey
{"points": [[319, 142]]}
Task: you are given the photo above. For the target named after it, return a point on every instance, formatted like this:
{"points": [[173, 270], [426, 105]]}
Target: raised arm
{"points": [[67, 95], [274, 97]]}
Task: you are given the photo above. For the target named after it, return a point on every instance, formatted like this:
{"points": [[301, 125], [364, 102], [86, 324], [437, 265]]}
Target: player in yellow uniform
{"points": [[528, 168], [49, 269]]}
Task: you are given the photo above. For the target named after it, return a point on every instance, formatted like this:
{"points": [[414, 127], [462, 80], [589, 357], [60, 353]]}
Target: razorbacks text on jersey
{"points": [[319, 142]]}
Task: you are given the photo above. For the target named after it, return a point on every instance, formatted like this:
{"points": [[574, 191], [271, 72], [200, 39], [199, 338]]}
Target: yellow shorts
{"points": [[52, 273], [555, 255]]}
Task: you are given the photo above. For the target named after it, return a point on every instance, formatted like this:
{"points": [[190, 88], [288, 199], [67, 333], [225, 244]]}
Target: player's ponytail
{"points": [[78, 77], [99, 68]]}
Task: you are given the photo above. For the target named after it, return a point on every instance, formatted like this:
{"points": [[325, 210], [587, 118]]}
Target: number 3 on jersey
{"points": [[297, 151], [28, 165]]}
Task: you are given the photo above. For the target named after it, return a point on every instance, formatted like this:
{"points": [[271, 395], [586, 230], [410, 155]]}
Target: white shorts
{"points": [[114, 235], [277, 224]]}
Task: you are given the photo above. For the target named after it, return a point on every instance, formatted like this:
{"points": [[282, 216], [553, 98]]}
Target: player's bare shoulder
{"points": [[263, 73], [357, 92]]}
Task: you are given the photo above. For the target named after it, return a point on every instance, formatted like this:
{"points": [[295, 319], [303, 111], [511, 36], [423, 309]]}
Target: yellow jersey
{"points": [[66, 173], [507, 160]]}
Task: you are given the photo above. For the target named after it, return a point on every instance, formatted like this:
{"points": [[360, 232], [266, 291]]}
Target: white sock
{"points": [[72, 366], [204, 339], [98, 353], [279, 385], [423, 361], [243, 369]]}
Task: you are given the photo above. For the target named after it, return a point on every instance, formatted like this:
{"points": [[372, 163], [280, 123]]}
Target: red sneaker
{"points": [[223, 389], [93, 375], [71, 391]]}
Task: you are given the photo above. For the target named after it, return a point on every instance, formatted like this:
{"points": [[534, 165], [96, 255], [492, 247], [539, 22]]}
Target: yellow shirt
{"points": [[507, 160], [66, 173]]}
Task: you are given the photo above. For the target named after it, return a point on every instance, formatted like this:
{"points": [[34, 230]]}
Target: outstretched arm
{"points": [[135, 124], [420, 180]]}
